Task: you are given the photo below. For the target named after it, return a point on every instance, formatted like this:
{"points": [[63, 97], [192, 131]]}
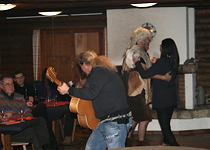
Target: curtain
{"points": [[36, 54]]}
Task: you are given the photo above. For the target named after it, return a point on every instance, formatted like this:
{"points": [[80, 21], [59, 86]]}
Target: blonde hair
{"points": [[102, 61], [91, 58], [87, 56], [139, 35]]}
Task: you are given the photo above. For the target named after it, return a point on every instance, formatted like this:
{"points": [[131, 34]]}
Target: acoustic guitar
{"points": [[83, 108]]}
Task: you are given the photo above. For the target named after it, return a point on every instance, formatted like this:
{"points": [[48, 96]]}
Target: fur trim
{"points": [[136, 52], [135, 84], [135, 88]]}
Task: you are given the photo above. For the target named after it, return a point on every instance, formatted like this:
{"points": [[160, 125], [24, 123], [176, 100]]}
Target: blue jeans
{"points": [[108, 135]]}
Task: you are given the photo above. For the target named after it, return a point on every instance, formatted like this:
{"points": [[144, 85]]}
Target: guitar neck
{"points": [[58, 82]]}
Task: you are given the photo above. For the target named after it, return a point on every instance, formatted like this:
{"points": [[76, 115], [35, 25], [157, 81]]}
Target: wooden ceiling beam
{"points": [[32, 7]]}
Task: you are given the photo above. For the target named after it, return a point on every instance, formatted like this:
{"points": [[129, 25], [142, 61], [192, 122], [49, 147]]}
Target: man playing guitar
{"points": [[106, 91]]}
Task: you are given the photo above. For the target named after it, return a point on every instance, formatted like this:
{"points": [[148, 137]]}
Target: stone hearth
{"points": [[199, 112]]}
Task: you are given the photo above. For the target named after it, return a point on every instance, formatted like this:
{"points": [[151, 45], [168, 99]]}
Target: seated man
{"points": [[21, 87], [40, 110], [12, 103], [28, 91]]}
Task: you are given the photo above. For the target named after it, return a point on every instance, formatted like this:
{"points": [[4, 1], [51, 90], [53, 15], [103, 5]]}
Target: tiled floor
{"points": [[197, 139]]}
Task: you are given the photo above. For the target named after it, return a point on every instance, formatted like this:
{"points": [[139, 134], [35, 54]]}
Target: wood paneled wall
{"points": [[202, 35], [16, 51], [16, 39]]}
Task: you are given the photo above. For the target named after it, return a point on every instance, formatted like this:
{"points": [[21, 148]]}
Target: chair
{"points": [[61, 123], [58, 128], [74, 129], [19, 144], [61, 126], [4, 141]]}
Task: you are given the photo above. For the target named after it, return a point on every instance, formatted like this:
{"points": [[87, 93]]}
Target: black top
{"points": [[164, 93], [22, 90], [106, 90]]}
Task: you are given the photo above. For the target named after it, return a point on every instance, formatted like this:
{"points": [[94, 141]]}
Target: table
{"points": [[159, 148], [7, 130], [55, 113]]}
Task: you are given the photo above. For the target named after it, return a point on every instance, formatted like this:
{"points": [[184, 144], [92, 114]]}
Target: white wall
{"points": [[169, 22], [176, 23]]}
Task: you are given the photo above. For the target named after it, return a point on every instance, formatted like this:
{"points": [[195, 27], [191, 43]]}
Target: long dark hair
{"points": [[46, 80], [169, 50]]}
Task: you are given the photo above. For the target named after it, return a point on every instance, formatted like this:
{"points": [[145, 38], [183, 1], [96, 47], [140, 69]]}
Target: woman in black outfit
{"points": [[164, 98]]}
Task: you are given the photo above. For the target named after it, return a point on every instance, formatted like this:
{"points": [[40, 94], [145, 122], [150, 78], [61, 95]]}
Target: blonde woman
{"points": [[138, 89]]}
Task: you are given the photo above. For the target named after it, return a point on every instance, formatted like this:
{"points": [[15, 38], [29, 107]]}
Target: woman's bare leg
{"points": [[142, 129], [130, 133]]}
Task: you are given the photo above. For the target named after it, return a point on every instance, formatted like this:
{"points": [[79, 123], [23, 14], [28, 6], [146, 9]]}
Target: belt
{"points": [[116, 117]]}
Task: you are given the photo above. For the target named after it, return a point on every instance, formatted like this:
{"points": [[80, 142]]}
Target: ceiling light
{"points": [[144, 4], [50, 13], [6, 6]]}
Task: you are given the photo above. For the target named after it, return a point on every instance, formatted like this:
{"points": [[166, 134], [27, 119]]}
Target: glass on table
{"points": [[2, 113], [54, 99], [48, 100], [4, 116], [42, 99], [22, 112]]}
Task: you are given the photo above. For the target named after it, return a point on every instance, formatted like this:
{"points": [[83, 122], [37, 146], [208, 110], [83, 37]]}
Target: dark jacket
{"points": [[105, 89], [164, 93]]}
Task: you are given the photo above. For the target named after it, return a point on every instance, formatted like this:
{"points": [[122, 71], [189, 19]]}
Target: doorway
{"points": [[61, 47]]}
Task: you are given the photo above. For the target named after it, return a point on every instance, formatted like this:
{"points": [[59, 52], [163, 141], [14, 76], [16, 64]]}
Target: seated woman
{"points": [[48, 90], [45, 88]]}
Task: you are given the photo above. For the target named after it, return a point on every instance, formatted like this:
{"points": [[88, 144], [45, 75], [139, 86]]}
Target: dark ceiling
{"points": [[32, 7]]}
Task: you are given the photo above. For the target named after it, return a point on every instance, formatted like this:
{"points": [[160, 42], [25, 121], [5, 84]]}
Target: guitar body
{"points": [[85, 112], [83, 108]]}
